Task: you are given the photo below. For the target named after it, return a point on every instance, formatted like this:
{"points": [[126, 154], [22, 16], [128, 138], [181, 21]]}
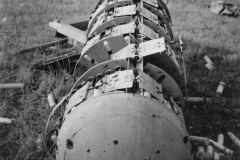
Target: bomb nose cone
{"points": [[122, 126]]}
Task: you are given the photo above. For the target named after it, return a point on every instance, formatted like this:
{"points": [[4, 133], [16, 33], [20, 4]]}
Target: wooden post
{"points": [[14, 85], [5, 120], [235, 140], [202, 140]]}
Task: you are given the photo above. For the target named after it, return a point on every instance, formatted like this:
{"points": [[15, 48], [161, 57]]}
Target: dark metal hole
{"points": [[69, 144]]}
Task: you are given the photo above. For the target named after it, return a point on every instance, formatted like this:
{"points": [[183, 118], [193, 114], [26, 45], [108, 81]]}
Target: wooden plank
{"points": [[42, 46], [79, 22], [69, 31]]}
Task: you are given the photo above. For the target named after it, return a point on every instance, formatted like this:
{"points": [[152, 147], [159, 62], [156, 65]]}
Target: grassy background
{"points": [[27, 25]]}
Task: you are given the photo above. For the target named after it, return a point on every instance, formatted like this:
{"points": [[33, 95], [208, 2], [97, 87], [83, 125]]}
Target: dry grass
{"points": [[27, 25]]}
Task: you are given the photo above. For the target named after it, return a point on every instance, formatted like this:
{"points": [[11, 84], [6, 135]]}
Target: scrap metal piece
{"points": [[152, 47]]}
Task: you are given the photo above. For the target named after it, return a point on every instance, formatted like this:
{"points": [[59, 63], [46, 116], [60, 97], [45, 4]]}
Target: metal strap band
{"points": [[150, 85], [152, 47], [127, 52], [151, 2], [119, 80]]}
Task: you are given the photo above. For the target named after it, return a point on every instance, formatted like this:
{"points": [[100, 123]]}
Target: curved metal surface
{"points": [[115, 21], [157, 29], [167, 83], [122, 126], [103, 7], [165, 62], [102, 68], [97, 50], [161, 17], [164, 7]]}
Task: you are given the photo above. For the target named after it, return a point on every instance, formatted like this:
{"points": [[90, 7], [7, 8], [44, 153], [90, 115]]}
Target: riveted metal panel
{"points": [[167, 83], [124, 29], [119, 80], [110, 23], [161, 17], [127, 52], [151, 47], [162, 32], [145, 30], [151, 2], [96, 50], [126, 10], [102, 68], [122, 126], [103, 7], [149, 15]]}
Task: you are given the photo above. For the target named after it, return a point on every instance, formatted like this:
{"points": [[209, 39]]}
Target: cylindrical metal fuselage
{"points": [[122, 126], [129, 104]]}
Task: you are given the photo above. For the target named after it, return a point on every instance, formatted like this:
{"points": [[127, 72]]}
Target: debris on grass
{"points": [[220, 89], [4, 19]]}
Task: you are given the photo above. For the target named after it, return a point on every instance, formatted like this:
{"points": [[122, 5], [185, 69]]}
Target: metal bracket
{"points": [[149, 15], [172, 54], [145, 30], [150, 85], [152, 47], [119, 80], [126, 10], [127, 52], [124, 29], [151, 2]]}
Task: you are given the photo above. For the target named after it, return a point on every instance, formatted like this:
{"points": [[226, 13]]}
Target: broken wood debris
{"points": [[51, 99], [69, 31], [209, 64], [201, 140], [43, 46], [6, 120], [220, 89], [234, 139], [13, 85], [198, 99], [221, 148]]}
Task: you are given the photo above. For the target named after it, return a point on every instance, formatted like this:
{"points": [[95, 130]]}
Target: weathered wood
{"points": [[14, 85], [201, 140], [69, 31], [209, 153], [59, 42], [220, 139], [234, 139], [51, 99], [220, 88], [5, 120], [198, 99], [220, 147], [200, 153], [80, 22]]}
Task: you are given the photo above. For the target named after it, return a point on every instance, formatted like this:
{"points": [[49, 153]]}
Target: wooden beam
{"points": [[42, 46], [69, 31]]}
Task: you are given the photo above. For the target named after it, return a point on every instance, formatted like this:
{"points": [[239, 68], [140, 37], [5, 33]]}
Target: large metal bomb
{"points": [[122, 126]]}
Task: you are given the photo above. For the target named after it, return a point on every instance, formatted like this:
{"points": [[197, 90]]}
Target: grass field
{"points": [[202, 32]]}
